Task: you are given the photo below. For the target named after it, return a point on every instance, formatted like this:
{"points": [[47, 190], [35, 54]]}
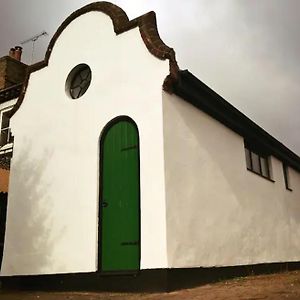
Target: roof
{"points": [[194, 91]]}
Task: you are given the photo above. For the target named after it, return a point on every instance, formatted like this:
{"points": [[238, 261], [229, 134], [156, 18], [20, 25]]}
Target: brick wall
{"points": [[12, 72], [4, 177]]}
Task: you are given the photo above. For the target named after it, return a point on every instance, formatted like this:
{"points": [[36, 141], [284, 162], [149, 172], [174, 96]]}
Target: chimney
{"points": [[12, 52], [12, 70], [18, 53]]}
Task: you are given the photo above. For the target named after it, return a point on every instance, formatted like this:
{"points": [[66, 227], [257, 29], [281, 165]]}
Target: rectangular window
{"points": [[248, 158], [286, 176], [5, 133], [264, 167], [257, 162]]}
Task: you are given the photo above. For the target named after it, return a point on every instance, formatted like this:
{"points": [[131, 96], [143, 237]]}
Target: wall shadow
{"points": [[28, 241]]}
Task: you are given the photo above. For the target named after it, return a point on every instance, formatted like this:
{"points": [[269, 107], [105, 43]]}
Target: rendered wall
{"points": [[52, 218], [218, 213]]}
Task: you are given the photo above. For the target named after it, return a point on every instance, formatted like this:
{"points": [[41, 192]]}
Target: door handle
{"points": [[104, 204]]}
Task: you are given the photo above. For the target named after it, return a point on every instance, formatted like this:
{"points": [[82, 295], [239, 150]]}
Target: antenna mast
{"points": [[33, 39]]}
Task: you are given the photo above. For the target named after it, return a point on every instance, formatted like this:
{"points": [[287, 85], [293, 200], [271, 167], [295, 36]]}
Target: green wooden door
{"points": [[120, 200]]}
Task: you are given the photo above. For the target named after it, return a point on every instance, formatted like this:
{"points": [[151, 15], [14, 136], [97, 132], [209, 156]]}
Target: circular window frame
{"points": [[82, 84]]}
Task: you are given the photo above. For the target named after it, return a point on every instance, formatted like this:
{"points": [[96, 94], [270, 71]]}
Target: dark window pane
{"points": [[5, 120], [75, 92], [255, 162], [248, 158], [4, 137], [84, 87], [76, 82], [80, 82], [286, 176], [10, 137], [264, 167], [84, 74]]}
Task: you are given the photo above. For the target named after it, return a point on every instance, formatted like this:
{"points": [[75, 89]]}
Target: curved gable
{"points": [[148, 29], [56, 141]]}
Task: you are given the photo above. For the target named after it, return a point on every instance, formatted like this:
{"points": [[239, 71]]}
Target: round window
{"points": [[78, 81]]}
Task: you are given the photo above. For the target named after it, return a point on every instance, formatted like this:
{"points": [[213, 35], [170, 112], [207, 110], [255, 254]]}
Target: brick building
{"points": [[12, 75]]}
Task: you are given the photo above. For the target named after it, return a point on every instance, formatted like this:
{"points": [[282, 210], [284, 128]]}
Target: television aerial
{"points": [[33, 39]]}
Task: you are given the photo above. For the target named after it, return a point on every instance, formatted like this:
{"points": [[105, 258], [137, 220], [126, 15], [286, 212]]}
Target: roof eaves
{"points": [[194, 91]]}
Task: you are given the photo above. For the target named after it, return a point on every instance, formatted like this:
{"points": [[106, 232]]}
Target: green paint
{"points": [[120, 199]]}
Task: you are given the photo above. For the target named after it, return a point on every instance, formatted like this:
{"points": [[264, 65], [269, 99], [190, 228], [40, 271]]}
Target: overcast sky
{"points": [[248, 51]]}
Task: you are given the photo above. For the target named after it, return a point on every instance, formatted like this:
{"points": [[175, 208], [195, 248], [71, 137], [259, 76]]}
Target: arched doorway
{"points": [[119, 215]]}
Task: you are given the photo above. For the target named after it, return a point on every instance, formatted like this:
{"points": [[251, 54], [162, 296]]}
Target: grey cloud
{"points": [[247, 51]]}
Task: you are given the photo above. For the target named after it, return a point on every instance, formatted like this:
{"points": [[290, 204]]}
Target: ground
{"points": [[276, 286]]}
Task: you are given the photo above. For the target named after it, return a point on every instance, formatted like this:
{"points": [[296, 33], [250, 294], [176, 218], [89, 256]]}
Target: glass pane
{"points": [[248, 159], [255, 162], [264, 166], [89, 77], [286, 176], [5, 120], [3, 137], [84, 86], [75, 92], [84, 73], [76, 82], [10, 137]]}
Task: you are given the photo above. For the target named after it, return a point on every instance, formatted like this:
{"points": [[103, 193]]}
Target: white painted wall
{"points": [[218, 213], [53, 199]]}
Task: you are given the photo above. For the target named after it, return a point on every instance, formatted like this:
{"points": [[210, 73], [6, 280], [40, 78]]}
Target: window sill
{"points": [[6, 147], [261, 175]]}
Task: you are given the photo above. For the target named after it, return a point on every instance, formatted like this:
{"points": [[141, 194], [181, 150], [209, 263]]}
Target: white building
{"points": [[122, 162]]}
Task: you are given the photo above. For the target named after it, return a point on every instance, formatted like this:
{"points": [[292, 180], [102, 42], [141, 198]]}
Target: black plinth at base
{"points": [[144, 281]]}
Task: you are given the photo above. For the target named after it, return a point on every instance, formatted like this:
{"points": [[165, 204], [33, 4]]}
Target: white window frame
{"points": [[7, 146]]}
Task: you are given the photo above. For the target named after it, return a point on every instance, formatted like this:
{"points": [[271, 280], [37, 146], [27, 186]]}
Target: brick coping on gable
{"points": [[121, 23]]}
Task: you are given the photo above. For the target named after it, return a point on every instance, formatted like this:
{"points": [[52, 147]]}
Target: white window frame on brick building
{"points": [[6, 146], [5, 133]]}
